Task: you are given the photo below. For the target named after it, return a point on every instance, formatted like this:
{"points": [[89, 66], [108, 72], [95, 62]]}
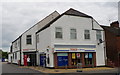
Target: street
{"points": [[11, 69]]}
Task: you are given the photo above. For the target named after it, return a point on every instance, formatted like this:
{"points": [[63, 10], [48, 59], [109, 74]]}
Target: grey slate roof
{"points": [[74, 12]]}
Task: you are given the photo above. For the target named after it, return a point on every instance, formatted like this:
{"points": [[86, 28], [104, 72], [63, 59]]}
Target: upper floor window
{"points": [[58, 32], [28, 39], [37, 37], [87, 34], [73, 34], [98, 35], [16, 44]]}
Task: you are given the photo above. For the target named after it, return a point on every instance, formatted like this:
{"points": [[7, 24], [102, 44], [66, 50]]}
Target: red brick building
{"points": [[112, 36]]}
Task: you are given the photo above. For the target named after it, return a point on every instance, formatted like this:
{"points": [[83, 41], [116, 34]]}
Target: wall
{"points": [[80, 23], [16, 49], [111, 46], [9, 57], [28, 47], [32, 31], [44, 42]]}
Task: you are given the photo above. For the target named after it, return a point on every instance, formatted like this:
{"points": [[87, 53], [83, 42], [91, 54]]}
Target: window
{"points": [[88, 58], [28, 39], [73, 34], [37, 38], [15, 55], [19, 43], [87, 34], [58, 32], [98, 35], [16, 44], [76, 58]]}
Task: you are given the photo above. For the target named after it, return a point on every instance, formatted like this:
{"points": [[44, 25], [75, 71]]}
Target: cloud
{"points": [[59, 0], [119, 11], [18, 17]]}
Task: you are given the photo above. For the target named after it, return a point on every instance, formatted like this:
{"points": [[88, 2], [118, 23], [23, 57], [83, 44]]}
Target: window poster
{"points": [[78, 55], [86, 55], [73, 55], [90, 55]]}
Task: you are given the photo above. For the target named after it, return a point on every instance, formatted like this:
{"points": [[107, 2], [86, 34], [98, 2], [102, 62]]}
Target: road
{"points": [[11, 69]]}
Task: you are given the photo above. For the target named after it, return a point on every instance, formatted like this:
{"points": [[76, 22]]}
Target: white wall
{"points": [[28, 47], [15, 60], [32, 31], [16, 49], [44, 42], [80, 23], [9, 57]]}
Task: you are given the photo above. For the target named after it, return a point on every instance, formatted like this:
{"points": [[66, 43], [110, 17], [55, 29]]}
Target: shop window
{"points": [[62, 59], [88, 58], [76, 58]]}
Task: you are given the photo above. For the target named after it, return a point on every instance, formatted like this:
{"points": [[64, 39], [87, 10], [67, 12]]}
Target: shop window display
{"points": [[88, 58], [76, 58]]}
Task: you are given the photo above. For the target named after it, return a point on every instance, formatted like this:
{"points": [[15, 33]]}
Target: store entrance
{"points": [[43, 60], [32, 59]]}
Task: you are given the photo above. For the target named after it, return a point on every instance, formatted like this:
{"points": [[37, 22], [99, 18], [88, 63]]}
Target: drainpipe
{"points": [[36, 49], [105, 57], [20, 49]]}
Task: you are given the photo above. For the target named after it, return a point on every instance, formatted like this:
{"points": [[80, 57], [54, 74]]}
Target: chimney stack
{"points": [[115, 24]]}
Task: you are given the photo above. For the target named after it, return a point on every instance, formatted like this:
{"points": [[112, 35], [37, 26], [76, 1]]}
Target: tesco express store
{"points": [[71, 56]]}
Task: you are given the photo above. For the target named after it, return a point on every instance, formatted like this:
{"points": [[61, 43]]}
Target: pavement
{"points": [[11, 69], [84, 70]]}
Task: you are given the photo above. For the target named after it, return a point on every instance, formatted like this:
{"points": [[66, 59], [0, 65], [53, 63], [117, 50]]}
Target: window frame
{"points": [[30, 38], [73, 33], [89, 61], [56, 31], [87, 34], [98, 35]]}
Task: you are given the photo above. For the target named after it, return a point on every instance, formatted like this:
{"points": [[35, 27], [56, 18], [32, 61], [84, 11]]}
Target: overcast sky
{"points": [[17, 17]]}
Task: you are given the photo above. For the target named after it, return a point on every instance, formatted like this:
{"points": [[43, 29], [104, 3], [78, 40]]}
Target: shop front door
{"points": [[42, 60]]}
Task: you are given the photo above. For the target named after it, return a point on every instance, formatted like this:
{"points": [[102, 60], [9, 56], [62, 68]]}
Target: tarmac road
{"points": [[10, 69]]}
